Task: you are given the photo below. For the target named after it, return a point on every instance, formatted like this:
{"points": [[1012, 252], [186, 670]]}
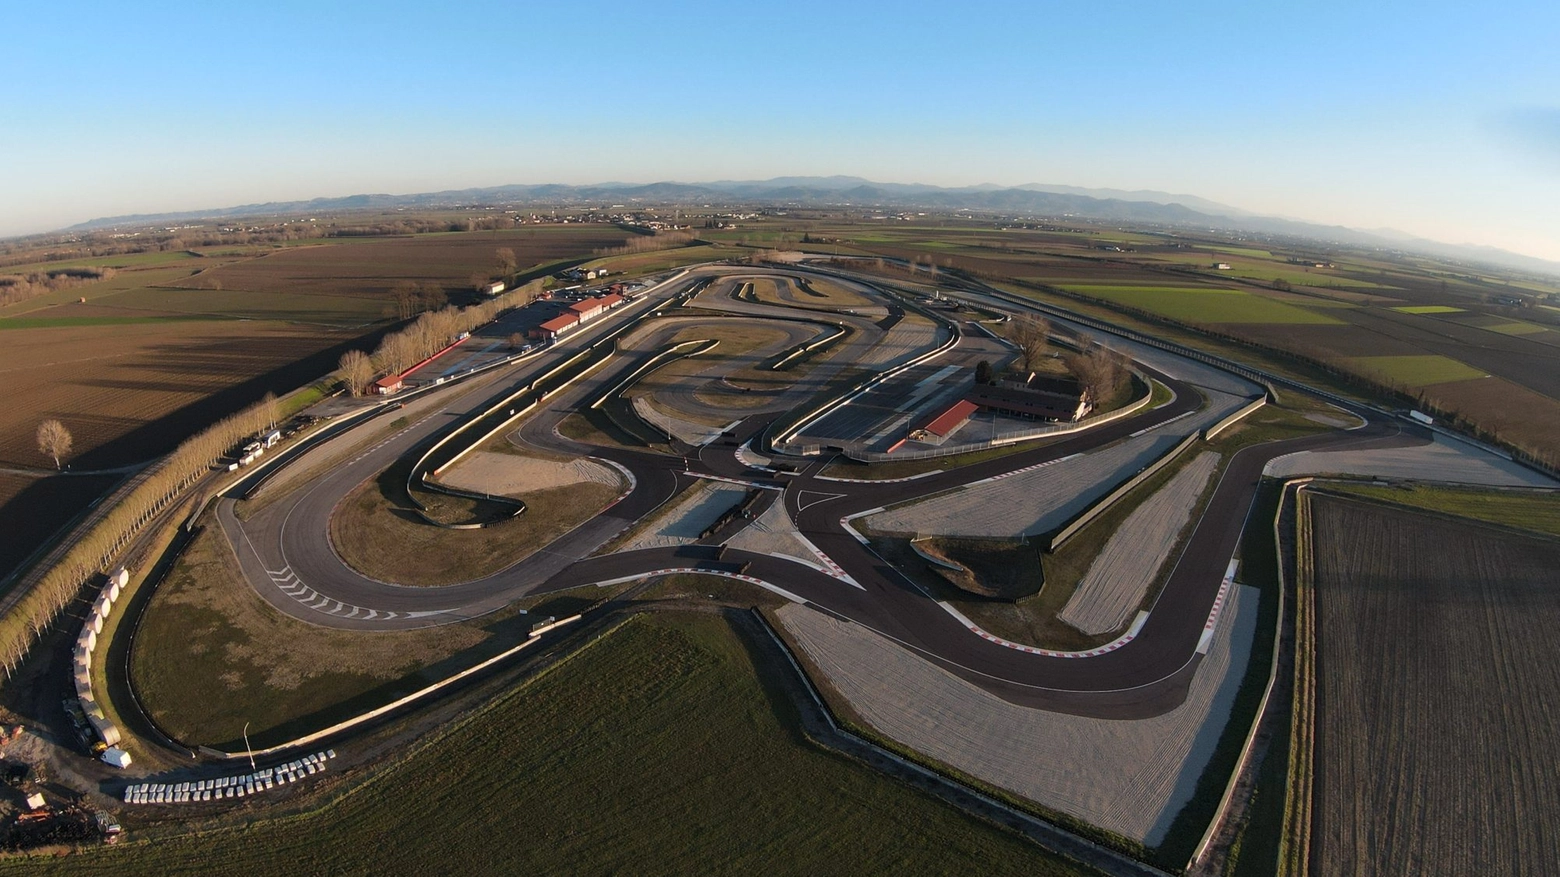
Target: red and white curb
{"points": [[1205, 642], [1118, 642], [1023, 470], [845, 523]]}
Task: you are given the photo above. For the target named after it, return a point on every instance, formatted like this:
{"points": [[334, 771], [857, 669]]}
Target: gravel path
{"points": [[1029, 502], [1444, 460], [1130, 777], [683, 523], [1112, 589], [512, 475]]}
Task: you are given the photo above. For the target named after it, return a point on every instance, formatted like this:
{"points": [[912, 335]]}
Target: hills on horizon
{"points": [[1031, 199]]}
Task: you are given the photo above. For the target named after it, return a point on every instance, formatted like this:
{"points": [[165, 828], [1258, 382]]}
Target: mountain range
{"points": [[1029, 200]]}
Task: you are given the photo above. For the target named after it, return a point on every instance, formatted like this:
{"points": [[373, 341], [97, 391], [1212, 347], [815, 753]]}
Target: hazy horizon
{"points": [[1437, 121]]}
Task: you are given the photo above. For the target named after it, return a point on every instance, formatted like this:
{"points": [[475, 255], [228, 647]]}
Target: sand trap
{"points": [[514, 475], [1113, 587]]}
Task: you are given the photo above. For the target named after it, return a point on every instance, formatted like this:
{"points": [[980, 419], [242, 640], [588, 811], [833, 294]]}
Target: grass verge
{"points": [[377, 533]]}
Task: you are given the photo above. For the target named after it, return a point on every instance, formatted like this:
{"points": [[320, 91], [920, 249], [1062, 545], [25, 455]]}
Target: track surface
{"points": [[285, 552]]}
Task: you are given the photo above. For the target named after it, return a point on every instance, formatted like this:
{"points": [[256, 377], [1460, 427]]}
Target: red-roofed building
{"points": [[944, 422], [588, 310], [610, 300], [550, 330], [388, 384]]}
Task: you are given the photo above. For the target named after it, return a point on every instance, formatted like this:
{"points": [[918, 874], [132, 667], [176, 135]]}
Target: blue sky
{"points": [[1433, 118]]}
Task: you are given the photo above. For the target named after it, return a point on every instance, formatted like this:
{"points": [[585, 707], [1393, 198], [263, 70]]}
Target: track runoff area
{"points": [[286, 555]]}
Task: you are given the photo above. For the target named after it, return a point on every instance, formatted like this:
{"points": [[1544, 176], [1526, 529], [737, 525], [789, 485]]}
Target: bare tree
{"points": [[407, 295], [1031, 335], [506, 260], [477, 281], [516, 341], [54, 440], [357, 371], [1099, 370]]}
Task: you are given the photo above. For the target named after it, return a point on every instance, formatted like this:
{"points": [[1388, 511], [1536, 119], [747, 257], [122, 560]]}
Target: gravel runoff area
{"points": [[683, 523], [1129, 777], [1446, 460], [512, 475], [1112, 589], [773, 533], [1030, 502]]}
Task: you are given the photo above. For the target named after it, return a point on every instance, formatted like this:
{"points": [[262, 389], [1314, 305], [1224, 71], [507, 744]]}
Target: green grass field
{"points": [[657, 750], [1415, 371], [1516, 328], [1428, 309], [1537, 511], [1203, 305]]}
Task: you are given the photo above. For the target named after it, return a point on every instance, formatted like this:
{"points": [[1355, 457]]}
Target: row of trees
{"points": [[89, 551], [427, 335], [21, 287], [664, 240]]}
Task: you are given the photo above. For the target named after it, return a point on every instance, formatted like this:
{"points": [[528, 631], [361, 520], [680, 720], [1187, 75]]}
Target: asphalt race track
{"points": [[285, 553]]}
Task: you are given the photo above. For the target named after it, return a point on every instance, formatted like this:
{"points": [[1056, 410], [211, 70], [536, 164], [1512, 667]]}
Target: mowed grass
{"points": [[1428, 309], [656, 750], [1538, 511], [375, 531], [1415, 371], [211, 655], [1203, 305], [1516, 328]]}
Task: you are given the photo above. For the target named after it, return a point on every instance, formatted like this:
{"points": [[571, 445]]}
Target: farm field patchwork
{"points": [[1428, 309], [610, 777], [1436, 719], [372, 267], [1203, 305]]}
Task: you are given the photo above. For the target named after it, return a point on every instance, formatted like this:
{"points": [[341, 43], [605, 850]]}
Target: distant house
{"points": [[389, 384], [1221, 266], [557, 326], [494, 288]]}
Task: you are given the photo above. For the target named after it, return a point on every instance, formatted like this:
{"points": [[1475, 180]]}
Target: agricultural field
{"points": [[176, 340], [1537, 511], [608, 776], [33, 507], [1436, 719], [1204, 304], [131, 393], [371, 268], [1415, 371]]}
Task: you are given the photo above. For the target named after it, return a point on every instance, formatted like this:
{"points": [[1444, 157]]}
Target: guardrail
{"points": [[1053, 429], [1233, 418], [1122, 490], [792, 431]]}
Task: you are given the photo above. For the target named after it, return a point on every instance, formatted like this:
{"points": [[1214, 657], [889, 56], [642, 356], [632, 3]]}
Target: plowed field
{"points": [[1439, 697]]}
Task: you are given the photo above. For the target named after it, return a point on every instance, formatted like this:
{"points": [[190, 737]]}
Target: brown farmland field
{"points": [[130, 393], [1438, 713], [372, 267], [31, 509]]}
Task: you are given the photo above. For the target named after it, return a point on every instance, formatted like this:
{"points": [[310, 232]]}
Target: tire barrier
{"points": [[221, 788]]}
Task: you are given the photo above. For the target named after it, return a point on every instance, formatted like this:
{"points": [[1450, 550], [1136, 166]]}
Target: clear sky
{"points": [[1439, 119]]}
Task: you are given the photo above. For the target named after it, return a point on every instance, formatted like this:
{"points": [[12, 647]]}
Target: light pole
{"points": [[248, 749]]}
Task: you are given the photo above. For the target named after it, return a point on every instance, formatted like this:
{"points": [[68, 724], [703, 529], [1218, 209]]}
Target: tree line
{"points": [[92, 548], [431, 332]]}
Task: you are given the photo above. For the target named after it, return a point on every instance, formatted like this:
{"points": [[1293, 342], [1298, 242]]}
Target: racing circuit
{"points": [[899, 367]]}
